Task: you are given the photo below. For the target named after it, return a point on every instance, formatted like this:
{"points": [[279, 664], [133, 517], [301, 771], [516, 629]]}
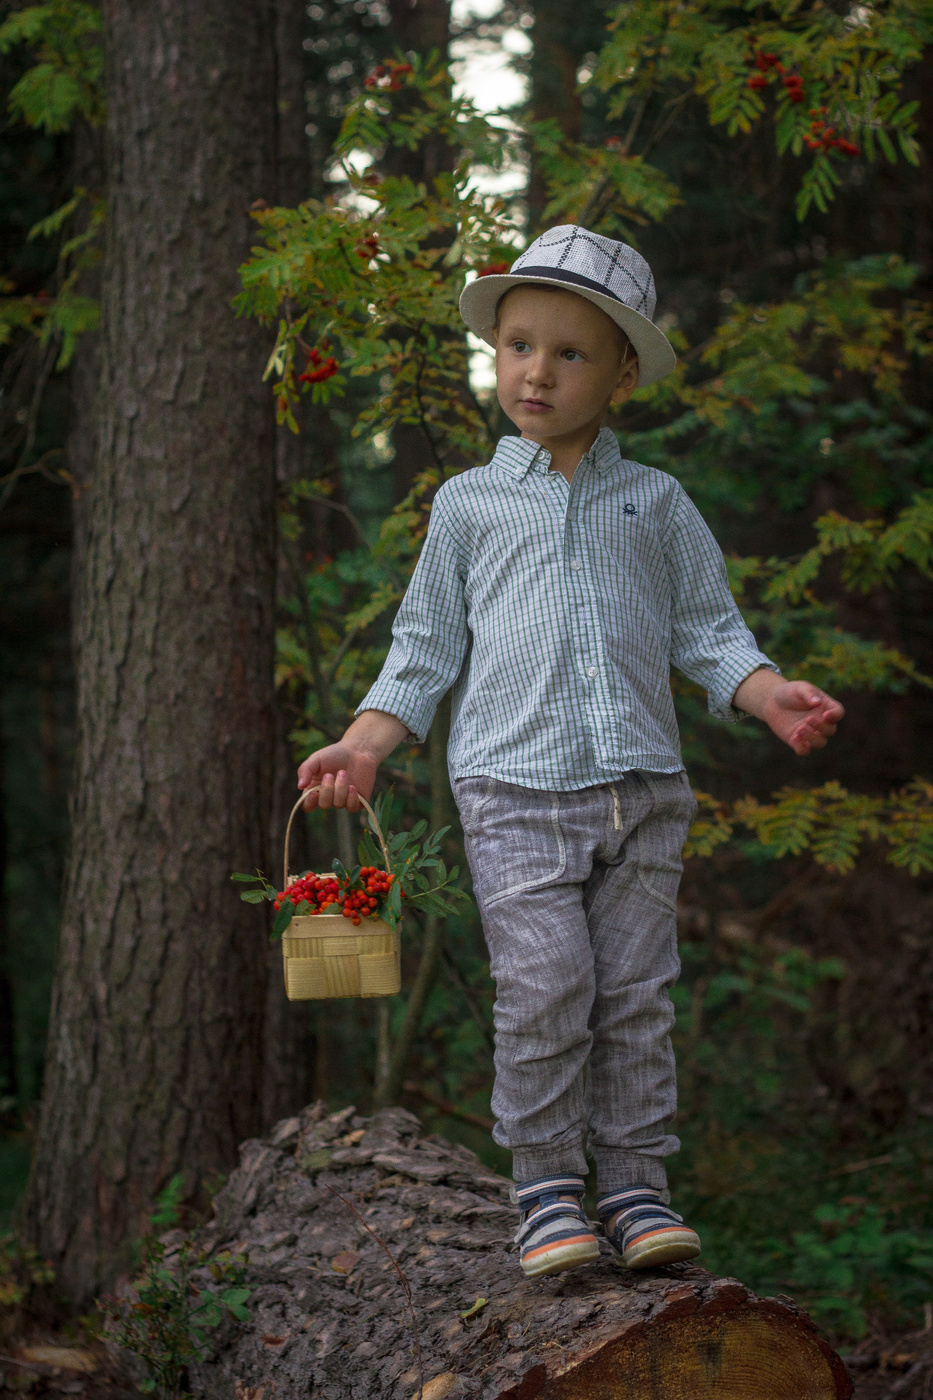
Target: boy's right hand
{"points": [[340, 772], [343, 772]]}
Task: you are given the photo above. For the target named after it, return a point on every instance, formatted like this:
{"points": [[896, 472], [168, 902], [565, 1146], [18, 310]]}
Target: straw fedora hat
{"points": [[611, 275]]}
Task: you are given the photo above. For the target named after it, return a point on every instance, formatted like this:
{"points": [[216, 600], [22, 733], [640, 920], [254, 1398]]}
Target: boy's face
{"points": [[560, 362]]}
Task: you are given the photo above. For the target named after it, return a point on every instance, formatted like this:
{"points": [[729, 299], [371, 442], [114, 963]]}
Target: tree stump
{"points": [[330, 1318]]}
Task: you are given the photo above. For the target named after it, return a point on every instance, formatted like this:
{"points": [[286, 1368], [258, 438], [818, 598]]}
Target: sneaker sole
{"points": [[673, 1248], [561, 1257]]}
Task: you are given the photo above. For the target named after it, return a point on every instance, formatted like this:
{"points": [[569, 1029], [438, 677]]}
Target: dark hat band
{"points": [[562, 274]]}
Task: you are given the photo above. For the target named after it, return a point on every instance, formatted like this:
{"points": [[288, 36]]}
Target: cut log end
{"points": [[322, 1204], [746, 1353]]}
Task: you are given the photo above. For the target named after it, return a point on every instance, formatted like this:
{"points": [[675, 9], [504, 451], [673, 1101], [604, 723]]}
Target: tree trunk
{"points": [[288, 1039], [559, 42], [155, 1046], [9, 1088], [329, 1311]]}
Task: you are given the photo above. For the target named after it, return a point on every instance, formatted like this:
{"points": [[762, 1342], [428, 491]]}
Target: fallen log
{"points": [[343, 1216]]}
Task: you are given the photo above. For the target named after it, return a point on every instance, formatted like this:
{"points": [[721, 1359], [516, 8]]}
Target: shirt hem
{"points": [[639, 763]]}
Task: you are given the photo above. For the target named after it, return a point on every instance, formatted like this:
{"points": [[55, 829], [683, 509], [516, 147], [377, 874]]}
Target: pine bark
{"points": [[156, 1037], [323, 1203], [553, 94]]}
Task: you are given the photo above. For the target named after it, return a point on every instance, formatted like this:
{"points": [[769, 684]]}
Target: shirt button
{"points": [[592, 671], [575, 564]]}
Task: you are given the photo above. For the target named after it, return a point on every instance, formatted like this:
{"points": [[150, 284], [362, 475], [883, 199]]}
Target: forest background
{"points": [[770, 163]]}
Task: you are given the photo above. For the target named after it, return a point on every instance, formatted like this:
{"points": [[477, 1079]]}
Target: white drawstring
{"points": [[616, 808]]}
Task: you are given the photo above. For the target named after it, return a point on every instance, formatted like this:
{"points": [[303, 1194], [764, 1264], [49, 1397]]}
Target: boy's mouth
{"points": [[534, 405]]}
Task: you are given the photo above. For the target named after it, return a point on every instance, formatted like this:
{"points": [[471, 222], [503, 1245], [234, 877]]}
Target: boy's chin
{"points": [[534, 423]]}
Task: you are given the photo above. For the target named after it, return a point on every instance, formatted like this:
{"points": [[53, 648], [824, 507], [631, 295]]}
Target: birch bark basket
{"points": [[330, 1319]]}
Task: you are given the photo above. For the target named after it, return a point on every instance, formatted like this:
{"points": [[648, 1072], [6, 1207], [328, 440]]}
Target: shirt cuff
{"points": [[406, 702], [730, 673]]}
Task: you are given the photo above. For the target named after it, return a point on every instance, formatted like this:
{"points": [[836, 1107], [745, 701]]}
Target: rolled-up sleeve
{"points": [[710, 642], [430, 636]]}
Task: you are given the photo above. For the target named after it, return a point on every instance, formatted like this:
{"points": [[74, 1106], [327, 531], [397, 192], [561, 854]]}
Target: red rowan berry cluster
{"points": [[824, 138], [768, 62], [318, 368], [489, 269], [367, 247], [321, 892], [387, 76]]}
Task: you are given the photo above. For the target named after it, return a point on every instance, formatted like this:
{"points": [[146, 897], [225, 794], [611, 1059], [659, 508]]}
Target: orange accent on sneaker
{"points": [[559, 1244]]}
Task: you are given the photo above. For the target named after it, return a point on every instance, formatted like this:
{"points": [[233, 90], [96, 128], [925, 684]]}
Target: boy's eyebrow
{"points": [[520, 332]]}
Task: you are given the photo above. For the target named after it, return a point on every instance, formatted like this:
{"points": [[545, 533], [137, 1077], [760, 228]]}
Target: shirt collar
{"points": [[520, 455]]}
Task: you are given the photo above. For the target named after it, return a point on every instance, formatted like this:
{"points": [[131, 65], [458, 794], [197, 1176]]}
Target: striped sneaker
{"points": [[557, 1235], [647, 1232]]}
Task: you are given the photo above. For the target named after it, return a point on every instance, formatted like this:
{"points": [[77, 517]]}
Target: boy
{"points": [[556, 587]]}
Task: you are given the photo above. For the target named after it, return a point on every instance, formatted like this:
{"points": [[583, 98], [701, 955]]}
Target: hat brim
{"points": [[481, 297]]}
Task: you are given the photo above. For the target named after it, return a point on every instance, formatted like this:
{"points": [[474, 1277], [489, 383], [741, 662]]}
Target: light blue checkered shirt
{"points": [[556, 611]]}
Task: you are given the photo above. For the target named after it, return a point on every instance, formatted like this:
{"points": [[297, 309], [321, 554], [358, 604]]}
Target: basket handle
{"points": [[372, 816]]}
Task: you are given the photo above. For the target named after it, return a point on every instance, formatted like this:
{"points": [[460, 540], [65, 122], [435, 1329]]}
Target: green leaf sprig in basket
{"points": [[414, 872]]}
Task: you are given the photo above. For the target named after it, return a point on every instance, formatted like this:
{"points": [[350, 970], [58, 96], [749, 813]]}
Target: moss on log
{"points": [[330, 1320]]}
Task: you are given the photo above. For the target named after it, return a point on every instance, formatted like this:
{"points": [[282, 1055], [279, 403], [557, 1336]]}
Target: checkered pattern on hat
{"points": [[617, 268]]}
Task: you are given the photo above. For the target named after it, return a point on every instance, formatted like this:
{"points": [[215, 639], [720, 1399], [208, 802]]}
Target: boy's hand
{"points": [[801, 714], [341, 772], [804, 716], [346, 770]]}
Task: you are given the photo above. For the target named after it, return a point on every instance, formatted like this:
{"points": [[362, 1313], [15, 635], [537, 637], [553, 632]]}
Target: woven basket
{"points": [[324, 955]]}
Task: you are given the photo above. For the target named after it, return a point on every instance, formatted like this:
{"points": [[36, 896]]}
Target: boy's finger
{"points": [[353, 799], [341, 788], [325, 797]]}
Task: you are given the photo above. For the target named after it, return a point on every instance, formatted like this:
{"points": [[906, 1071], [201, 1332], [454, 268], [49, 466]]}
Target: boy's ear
{"points": [[627, 383]]}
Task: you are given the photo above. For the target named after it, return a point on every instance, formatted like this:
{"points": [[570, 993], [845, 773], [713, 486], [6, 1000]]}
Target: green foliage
{"points": [[63, 318], [22, 1272], [363, 290], [373, 281], [602, 188], [744, 1015], [65, 82], [828, 822], [164, 1317], [168, 1204], [851, 1261], [415, 861], [827, 79]]}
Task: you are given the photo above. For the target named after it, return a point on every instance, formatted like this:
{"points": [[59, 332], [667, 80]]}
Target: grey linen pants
{"points": [[577, 892]]}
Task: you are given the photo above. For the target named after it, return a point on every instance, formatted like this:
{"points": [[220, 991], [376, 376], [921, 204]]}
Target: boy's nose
{"points": [[538, 370]]}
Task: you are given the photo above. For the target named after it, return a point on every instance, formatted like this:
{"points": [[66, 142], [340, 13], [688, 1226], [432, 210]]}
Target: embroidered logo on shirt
{"points": [[630, 509]]}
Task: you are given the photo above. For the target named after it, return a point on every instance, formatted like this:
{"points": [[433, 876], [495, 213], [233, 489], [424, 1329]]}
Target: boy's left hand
{"points": [[801, 714]]}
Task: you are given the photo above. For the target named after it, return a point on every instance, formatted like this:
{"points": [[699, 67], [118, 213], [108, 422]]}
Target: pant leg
{"points": [[530, 853], [630, 903]]}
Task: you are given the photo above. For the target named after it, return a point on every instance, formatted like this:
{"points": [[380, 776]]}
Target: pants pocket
{"points": [[514, 842], [659, 839]]}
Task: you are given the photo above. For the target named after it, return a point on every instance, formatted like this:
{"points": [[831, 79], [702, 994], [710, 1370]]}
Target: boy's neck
{"points": [[567, 452]]}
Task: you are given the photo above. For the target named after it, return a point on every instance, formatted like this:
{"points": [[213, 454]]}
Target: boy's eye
{"points": [[520, 346], [572, 355]]}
